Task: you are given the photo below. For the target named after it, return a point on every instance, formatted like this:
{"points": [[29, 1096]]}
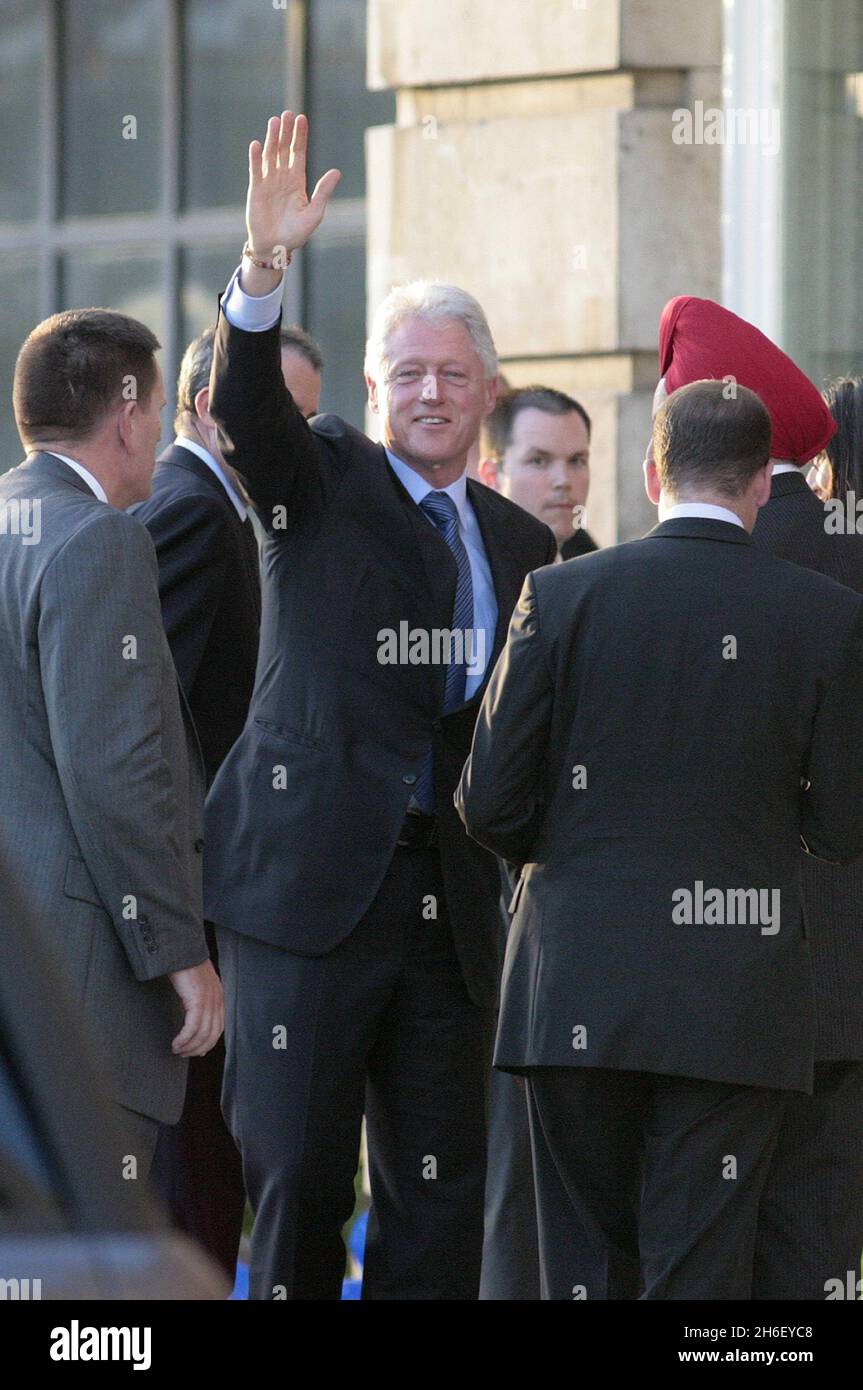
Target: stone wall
{"points": [[532, 161]]}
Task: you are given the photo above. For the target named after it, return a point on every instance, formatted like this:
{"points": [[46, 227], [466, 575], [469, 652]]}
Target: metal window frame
{"points": [[171, 227]]}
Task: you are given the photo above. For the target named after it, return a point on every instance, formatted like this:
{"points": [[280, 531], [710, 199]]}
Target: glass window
{"points": [[793, 225], [235, 69], [19, 295], [338, 105], [22, 75], [336, 316], [127, 279], [206, 272], [111, 121], [822, 166]]}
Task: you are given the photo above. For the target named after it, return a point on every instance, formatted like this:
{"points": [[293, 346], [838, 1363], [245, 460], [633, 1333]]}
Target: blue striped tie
{"points": [[443, 513]]}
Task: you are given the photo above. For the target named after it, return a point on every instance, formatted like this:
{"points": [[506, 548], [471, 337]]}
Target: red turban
{"points": [[700, 340]]}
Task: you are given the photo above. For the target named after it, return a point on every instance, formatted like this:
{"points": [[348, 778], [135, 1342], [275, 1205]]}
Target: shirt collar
{"points": [[93, 483], [418, 488], [702, 509], [783, 466], [213, 464]]}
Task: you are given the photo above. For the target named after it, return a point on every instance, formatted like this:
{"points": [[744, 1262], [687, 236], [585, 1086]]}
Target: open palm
{"points": [[279, 212]]}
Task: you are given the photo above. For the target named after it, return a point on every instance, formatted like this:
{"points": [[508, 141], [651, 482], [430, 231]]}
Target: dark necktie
{"points": [[443, 513]]}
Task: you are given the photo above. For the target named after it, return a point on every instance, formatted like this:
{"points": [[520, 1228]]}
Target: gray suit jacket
{"points": [[101, 781]]}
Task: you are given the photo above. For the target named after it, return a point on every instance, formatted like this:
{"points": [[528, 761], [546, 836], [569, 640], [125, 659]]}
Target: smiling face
{"points": [[545, 467], [432, 397]]}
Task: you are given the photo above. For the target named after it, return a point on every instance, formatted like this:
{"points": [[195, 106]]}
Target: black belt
{"points": [[418, 832]]}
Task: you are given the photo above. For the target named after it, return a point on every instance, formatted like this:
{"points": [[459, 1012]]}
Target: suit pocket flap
{"points": [[78, 884]]}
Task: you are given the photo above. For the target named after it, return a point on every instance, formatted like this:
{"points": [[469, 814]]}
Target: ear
{"points": [[491, 393], [763, 484], [202, 405], [372, 388], [652, 485], [488, 473], [126, 421]]}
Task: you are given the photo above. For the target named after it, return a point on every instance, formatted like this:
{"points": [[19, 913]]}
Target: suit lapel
{"points": [[507, 568]]}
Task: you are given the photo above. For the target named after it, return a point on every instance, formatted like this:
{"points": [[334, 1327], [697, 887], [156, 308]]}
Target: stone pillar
{"points": [[533, 161]]}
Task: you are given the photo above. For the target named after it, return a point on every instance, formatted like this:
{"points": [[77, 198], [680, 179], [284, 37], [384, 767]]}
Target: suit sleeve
{"points": [[500, 796], [103, 663], [831, 821], [265, 436], [192, 537]]}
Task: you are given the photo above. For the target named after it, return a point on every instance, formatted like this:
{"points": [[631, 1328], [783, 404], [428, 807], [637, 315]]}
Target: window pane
{"points": [[206, 272], [128, 280], [336, 316], [19, 295], [234, 77], [111, 121], [338, 105], [822, 229], [22, 53]]}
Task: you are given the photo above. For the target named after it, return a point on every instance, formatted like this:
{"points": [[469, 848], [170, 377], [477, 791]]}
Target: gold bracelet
{"points": [[265, 265]]}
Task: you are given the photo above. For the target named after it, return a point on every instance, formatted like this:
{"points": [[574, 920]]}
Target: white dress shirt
{"points": [[702, 509], [256, 314], [93, 483], [784, 466], [215, 467]]}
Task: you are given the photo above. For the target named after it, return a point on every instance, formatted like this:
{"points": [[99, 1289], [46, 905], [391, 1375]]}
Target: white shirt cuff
{"points": [[252, 314]]}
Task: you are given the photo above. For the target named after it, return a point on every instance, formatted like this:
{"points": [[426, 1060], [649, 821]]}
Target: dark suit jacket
{"points": [[305, 812], [792, 525], [209, 584], [101, 797], [618, 663], [581, 542]]}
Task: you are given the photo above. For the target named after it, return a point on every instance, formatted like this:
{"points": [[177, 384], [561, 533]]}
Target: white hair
{"points": [[421, 299]]}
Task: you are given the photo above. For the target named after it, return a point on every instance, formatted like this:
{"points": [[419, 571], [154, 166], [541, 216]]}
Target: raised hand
{"points": [[280, 216]]}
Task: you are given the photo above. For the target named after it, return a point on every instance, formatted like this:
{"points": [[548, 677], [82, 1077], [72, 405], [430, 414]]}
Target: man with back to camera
{"points": [[658, 736], [356, 924], [535, 449], [810, 1228], [102, 804]]}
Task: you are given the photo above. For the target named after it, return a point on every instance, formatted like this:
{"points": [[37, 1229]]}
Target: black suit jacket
{"points": [[304, 815], [209, 584], [792, 525], [620, 663], [581, 542]]}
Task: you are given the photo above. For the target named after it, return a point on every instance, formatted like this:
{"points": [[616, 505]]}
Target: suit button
{"points": [[143, 920], [409, 778], [152, 948], [805, 784], [437, 725], [199, 846]]}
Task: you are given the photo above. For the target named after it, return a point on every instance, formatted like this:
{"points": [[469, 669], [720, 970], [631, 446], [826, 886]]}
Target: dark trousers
{"points": [[648, 1186], [510, 1252], [383, 1023], [810, 1226], [197, 1169]]}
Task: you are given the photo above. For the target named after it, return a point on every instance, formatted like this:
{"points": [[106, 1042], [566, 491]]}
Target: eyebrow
{"points": [[546, 454]]}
